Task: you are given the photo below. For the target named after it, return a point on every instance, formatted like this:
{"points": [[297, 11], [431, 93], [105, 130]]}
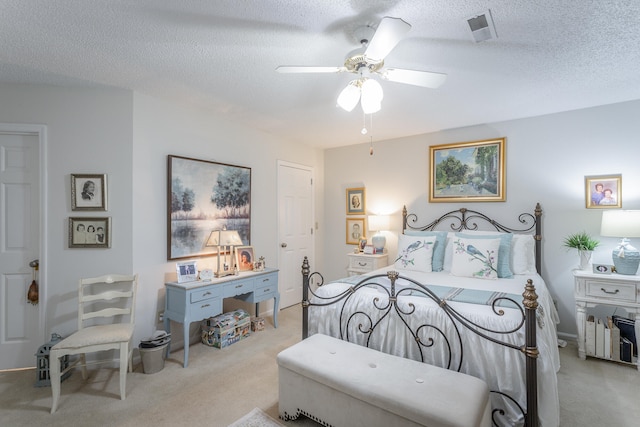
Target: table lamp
{"points": [[624, 224], [378, 223]]}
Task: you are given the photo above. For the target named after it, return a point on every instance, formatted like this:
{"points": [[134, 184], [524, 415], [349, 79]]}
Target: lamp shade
{"points": [[379, 222], [349, 97], [620, 223], [372, 95]]}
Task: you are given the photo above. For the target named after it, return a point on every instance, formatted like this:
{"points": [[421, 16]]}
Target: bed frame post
{"points": [[538, 238], [305, 297], [531, 352]]}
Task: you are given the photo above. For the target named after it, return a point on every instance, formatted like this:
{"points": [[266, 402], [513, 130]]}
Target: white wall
{"points": [[161, 129], [547, 159], [89, 131]]}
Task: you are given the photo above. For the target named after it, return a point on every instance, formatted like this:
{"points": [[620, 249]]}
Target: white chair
{"points": [[106, 314]]}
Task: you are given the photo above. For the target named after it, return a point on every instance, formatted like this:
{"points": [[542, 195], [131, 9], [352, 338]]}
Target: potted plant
{"points": [[585, 244]]}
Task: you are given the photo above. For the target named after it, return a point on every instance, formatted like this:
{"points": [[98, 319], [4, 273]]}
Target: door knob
{"points": [[284, 245]]}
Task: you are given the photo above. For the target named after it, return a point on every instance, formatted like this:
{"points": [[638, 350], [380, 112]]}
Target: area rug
{"points": [[256, 418]]}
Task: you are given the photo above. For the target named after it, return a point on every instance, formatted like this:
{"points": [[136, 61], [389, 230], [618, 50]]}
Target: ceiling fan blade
{"points": [[303, 69], [418, 78], [389, 33]]}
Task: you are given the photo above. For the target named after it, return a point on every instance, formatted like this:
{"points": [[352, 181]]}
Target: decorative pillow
{"points": [[523, 254], [475, 257], [415, 253], [504, 270], [437, 261]]}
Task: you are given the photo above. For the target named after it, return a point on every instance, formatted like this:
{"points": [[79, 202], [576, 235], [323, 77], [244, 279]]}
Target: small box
{"points": [[228, 328], [257, 324]]}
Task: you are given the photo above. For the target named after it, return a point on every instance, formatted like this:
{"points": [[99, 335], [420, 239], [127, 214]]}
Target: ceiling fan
{"points": [[368, 62]]}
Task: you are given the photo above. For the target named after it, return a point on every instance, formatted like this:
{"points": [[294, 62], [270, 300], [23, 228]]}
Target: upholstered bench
{"points": [[341, 384]]}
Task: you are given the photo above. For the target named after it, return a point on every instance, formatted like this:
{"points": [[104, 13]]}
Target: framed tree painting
{"points": [[205, 196], [468, 172]]}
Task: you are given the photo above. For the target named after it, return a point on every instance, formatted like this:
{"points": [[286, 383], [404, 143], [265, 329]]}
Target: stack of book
{"points": [[603, 339]]}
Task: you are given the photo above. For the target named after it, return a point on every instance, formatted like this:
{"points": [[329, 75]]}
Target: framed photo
{"points": [[187, 271], [89, 232], [603, 191], [467, 172], [202, 197], [355, 231], [355, 201], [602, 269], [88, 192], [244, 258], [362, 244]]}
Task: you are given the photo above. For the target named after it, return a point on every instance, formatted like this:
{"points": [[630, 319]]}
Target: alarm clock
{"points": [[206, 274]]}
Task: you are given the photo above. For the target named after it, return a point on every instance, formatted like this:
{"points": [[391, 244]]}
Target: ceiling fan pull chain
{"points": [[364, 124]]}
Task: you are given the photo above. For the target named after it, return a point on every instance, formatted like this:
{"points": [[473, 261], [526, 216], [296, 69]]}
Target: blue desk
{"points": [[199, 300]]}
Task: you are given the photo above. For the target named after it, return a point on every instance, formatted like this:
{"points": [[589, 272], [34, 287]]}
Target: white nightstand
{"points": [[362, 263], [616, 290]]}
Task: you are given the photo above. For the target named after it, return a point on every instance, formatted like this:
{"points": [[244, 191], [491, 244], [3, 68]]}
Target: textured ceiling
{"points": [[550, 56]]}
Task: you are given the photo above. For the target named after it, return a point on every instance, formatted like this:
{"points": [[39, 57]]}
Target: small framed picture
{"points": [[187, 271], [244, 258], [89, 232], [603, 191], [88, 192], [355, 231], [602, 269], [355, 201], [362, 244]]}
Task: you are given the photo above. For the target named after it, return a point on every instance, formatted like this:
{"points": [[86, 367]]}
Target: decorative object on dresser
{"points": [[584, 244], [187, 271], [603, 191], [467, 172], [196, 301], [365, 263], [490, 329], [244, 258], [88, 192], [205, 196], [225, 241], [378, 223], [603, 338], [624, 224]]}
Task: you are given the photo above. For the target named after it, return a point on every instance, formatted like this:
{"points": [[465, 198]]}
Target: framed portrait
{"points": [[362, 244], [244, 258], [467, 172], [355, 201], [87, 232], [202, 197], [603, 191], [187, 271], [355, 231], [88, 192]]}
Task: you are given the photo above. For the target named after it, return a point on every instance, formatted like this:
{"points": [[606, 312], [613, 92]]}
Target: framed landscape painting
{"points": [[468, 172], [202, 197]]}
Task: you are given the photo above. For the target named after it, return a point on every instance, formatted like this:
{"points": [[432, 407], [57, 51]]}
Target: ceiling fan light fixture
{"points": [[371, 97], [349, 97]]}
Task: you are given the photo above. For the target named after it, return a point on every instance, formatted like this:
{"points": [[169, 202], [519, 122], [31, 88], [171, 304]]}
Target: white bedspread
{"points": [[502, 368]]}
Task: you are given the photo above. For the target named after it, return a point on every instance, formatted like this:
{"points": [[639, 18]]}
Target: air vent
{"points": [[481, 27]]}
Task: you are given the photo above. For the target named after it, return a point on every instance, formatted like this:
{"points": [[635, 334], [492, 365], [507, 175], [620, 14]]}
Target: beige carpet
{"points": [[221, 386], [256, 418]]}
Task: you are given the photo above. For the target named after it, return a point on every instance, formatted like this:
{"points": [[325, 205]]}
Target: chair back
{"points": [[107, 299]]}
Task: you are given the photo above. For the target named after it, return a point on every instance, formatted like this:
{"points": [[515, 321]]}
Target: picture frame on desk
{"points": [[602, 269], [187, 271], [244, 258]]}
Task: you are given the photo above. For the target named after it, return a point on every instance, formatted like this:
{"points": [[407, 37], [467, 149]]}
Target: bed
{"points": [[458, 296]]}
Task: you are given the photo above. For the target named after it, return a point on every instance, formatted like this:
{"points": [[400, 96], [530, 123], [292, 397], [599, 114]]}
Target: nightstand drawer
{"points": [[204, 294], [617, 291], [361, 263]]}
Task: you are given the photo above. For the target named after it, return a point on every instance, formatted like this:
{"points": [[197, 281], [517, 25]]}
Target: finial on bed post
{"points": [[305, 297], [393, 276], [531, 352]]}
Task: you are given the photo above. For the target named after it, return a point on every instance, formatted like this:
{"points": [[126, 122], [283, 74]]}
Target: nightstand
{"points": [[615, 290], [363, 263]]}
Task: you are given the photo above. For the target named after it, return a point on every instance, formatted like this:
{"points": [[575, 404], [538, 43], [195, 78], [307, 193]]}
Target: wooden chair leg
{"points": [[124, 364], [54, 375]]}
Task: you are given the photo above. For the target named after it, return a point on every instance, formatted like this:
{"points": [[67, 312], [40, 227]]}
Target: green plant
{"points": [[581, 241]]}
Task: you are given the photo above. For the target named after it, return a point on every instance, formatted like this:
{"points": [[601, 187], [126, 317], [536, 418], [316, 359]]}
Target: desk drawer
{"points": [[265, 292], [205, 309], [205, 294], [238, 288], [616, 291], [267, 281]]}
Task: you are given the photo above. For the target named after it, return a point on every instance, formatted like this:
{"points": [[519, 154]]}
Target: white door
{"points": [[295, 228], [21, 326]]}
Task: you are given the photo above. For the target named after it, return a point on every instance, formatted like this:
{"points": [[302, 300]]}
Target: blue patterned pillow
{"points": [[415, 253], [504, 253], [476, 258], [437, 261]]}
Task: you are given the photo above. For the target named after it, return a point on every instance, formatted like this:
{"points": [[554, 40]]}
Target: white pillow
{"points": [[523, 254], [415, 253], [475, 257]]}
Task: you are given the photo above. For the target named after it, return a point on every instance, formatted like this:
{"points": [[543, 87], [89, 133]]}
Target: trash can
{"points": [[152, 352]]}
